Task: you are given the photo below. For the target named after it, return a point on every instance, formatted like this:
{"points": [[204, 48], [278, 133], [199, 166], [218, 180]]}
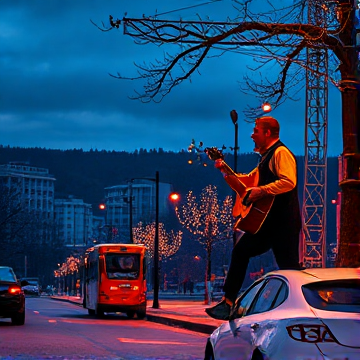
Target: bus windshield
{"points": [[122, 266]]}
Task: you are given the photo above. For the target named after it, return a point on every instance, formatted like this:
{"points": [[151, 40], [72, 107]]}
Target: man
{"points": [[280, 230]]}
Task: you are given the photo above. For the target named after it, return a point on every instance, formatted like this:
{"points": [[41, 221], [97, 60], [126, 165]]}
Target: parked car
{"points": [[292, 314], [33, 286], [12, 298]]}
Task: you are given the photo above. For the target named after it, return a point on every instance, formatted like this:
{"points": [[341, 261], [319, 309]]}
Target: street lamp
{"points": [[156, 240], [266, 107], [174, 197], [103, 207], [156, 248], [234, 118], [130, 201]]}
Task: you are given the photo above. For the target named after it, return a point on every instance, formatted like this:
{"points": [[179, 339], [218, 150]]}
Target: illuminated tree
{"points": [[69, 268], [169, 243], [208, 221]]}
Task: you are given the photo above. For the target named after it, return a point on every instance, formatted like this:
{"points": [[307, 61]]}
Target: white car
{"points": [[312, 314]]}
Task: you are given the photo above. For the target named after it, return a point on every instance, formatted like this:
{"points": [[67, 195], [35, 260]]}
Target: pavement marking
{"points": [[151, 342], [52, 321]]}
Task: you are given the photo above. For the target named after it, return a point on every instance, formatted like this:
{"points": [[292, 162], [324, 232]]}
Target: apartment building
{"points": [[74, 220], [142, 207], [34, 185]]}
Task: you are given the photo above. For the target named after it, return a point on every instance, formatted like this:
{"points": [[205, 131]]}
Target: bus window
{"points": [[122, 266]]}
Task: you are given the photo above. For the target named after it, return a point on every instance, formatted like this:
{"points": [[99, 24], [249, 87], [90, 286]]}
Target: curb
{"points": [[197, 327], [165, 319]]}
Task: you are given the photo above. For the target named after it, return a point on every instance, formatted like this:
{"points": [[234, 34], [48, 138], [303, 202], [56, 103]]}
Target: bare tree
{"points": [[279, 36], [208, 220]]}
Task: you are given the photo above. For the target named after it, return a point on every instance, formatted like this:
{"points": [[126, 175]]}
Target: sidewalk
{"points": [[184, 313]]}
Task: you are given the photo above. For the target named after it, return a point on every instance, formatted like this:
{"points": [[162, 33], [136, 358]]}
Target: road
{"points": [[60, 330]]}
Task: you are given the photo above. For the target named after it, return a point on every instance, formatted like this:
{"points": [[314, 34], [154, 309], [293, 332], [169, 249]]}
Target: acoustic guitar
{"points": [[249, 216]]}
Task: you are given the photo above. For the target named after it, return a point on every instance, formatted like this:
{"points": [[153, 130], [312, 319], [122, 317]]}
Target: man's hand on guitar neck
{"points": [[223, 167], [219, 164]]}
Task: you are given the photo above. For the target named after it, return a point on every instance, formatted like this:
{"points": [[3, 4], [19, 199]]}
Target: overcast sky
{"points": [[56, 92]]}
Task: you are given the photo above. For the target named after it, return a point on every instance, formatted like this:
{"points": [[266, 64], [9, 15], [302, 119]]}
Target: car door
{"points": [[231, 343], [257, 327]]}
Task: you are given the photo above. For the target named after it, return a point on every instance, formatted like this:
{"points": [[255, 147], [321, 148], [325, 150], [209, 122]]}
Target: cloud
{"points": [[56, 90]]}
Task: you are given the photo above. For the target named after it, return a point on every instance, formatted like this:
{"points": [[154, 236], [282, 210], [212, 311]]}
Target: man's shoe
{"points": [[221, 311]]}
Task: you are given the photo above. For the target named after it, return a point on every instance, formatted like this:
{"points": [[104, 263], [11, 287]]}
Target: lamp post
{"points": [[234, 118], [156, 240], [131, 213], [156, 247]]}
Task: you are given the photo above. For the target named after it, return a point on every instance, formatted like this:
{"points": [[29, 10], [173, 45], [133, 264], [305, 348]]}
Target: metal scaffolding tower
{"points": [[313, 242]]}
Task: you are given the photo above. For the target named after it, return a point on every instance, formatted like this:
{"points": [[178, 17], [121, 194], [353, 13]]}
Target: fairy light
{"points": [[169, 242], [206, 218]]}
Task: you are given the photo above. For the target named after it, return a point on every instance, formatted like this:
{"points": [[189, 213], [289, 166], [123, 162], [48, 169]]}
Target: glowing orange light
{"points": [[333, 201], [266, 107], [174, 196], [102, 206], [190, 162]]}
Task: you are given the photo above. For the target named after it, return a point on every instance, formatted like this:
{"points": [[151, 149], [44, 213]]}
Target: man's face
{"points": [[260, 137]]}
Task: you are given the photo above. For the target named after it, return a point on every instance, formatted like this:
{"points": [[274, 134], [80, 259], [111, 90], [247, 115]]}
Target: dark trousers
{"points": [[284, 243]]}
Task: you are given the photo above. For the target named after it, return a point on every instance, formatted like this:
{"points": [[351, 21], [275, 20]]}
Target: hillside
{"points": [[85, 174]]}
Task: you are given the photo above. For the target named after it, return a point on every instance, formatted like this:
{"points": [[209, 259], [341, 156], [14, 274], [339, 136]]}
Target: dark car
{"points": [[12, 297], [32, 286]]}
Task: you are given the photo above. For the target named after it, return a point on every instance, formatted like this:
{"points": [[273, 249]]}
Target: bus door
{"points": [[91, 282]]}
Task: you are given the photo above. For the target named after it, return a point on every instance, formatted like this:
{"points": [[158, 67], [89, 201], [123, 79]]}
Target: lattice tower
{"points": [[313, 241]]}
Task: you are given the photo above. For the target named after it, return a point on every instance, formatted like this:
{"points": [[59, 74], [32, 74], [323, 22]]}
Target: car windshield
{"points": [[122, 266], [336, 295], [32, 282], [6, 274]]}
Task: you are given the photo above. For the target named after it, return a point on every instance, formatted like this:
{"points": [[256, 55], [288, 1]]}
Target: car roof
{"points": [[316, 274], [297, 278]]}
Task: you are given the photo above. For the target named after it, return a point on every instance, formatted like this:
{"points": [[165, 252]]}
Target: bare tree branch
{"points": [[279, 42]]}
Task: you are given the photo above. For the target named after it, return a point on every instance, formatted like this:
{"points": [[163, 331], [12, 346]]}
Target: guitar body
{"points": [[249, 216]]}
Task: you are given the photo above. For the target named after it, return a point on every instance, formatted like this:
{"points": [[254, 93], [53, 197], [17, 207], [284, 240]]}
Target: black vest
{"points": [[285, 211]]}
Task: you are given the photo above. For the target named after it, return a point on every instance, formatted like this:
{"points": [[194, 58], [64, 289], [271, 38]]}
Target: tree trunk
{"points": [[349, 244], [207, 299]]}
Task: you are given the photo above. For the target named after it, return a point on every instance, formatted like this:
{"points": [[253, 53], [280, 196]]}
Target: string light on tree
{"points": [[209, 220], [169, 242]]}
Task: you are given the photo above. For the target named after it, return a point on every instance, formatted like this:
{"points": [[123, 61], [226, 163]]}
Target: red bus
{"points": [[115, 279]]}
